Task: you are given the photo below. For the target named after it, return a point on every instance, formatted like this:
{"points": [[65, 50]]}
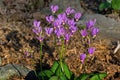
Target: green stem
{"points": [[61, 54], [88, 45], [85, 64], [41, 59]]}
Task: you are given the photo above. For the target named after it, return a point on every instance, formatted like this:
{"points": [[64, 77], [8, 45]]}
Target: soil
{"points": [[16, 38]]}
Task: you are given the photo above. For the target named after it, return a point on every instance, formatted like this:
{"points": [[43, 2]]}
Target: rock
{"points": [[2, 10], [45, 11], [1, 3], [109, 28], [10, 70]]}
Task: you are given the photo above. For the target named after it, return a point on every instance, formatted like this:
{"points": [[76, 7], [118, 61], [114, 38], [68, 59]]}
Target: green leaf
{"points": [[109, 1], [59, 71], [81, 27], [54, 66], [67, 72], [54, 78], [104, 5], [116, 4], [83, 77], [63, 77], [46, 73], [59, 11], [98, 76]]}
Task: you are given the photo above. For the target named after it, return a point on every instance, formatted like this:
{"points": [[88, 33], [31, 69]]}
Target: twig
{"points": [[117, 48]]}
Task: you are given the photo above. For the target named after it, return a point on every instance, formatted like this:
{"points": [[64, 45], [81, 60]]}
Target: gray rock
{"points": [[10, 70], [1, 3], [45, 11], [109, 28], [2, 10]]}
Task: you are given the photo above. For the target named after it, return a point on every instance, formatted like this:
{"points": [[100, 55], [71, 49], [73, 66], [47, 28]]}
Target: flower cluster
{"points": [[37, 29], [61, 25], [90, 29], [64, 26]]}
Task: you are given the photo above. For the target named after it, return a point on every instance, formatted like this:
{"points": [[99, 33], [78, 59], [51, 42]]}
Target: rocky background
{"points": [[16, 37]]}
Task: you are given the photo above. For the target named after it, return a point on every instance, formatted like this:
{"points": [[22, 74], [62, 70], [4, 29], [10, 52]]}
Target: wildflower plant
{"points": [[63, 26], [37, 29], [88, 34]]}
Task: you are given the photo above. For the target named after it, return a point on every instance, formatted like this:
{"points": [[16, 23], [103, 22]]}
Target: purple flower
{"points": [[27, 53], [49, 31], [67, 37], [59, 31], [54, 8], [72, 29], [91, 50], [71, 22], [90, 24], [69, 11], [40, 38], [57, 23], [77, 16], [37, 28], [36, 23], [84, 32], [50, 18], [82, 57], [35, 31], [94, 31], [63, 17]]}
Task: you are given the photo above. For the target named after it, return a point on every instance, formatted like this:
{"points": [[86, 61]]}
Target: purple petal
{"points": [[48, 31], [67, 37], [54, 8], [35, 31], [73, 29], [90, 24], [91, 50], [57, 23], [40, 38], [71, 22], [94, 31], [27, 53], [63, 17], [77, 16], [36, 23], [69, 11], [50, 18], [60, 32], [82, 57], [84, 32]]}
